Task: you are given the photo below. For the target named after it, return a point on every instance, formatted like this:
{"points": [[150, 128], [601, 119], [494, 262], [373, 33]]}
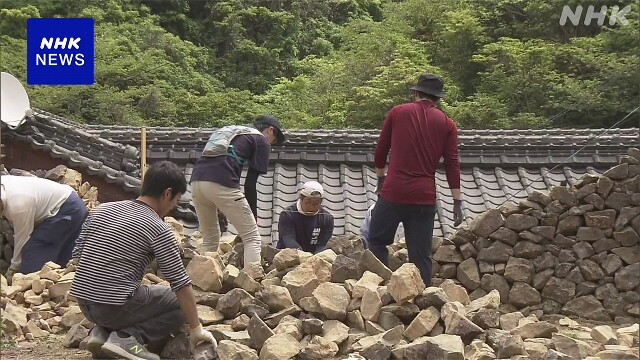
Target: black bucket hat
{"points": [[273, 122], [430, 84]]}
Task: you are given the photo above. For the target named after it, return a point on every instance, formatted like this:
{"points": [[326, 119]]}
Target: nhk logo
{"points": [[60, 51]]}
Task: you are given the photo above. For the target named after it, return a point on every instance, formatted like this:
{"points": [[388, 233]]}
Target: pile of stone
{"points": [[574, 250], [498, 284], [61, 174], [326, 306]]}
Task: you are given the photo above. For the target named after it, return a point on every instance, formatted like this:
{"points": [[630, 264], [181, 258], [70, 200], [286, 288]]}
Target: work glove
{"points": [[9, 276], [457, 212], [200, 335], [380, 184]]}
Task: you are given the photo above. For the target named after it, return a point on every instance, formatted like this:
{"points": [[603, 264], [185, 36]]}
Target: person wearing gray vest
{"points": [[215, 182]]}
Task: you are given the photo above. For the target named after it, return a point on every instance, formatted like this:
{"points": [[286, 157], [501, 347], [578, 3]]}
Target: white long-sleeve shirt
{"points": [[28, 200], [366, 223]]}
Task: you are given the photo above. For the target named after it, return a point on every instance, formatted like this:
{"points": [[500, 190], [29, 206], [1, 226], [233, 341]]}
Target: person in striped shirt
{"points": [[116, 245]]}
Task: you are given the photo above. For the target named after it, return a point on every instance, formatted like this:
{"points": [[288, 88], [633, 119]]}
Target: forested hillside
{"points": [[337, 63]]}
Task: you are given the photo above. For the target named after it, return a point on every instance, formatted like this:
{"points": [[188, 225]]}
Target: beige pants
{"points": [[208, 197]]}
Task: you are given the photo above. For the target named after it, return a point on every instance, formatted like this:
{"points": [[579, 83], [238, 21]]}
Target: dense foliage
{"points": [[337, 63]]}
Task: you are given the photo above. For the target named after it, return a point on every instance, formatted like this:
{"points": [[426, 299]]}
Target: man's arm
{"points": [[326, 232], [77, 249], [287, 230], [250, 190], [451, 161], [258, 164], [187, 302], [383, 146], [23, 224]]}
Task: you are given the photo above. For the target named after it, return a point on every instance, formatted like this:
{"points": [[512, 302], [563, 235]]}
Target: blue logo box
{"points": [[60, 51]]}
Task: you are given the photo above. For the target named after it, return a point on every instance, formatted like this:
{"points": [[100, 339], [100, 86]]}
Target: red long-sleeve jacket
{"points": [[418, 134]]}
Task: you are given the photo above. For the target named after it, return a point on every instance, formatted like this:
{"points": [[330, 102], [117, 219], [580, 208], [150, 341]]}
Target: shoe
{"points": [[97, 337], [127, 347]]}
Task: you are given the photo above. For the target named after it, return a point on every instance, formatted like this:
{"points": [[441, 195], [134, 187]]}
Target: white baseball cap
{"points": [[312, 189]]}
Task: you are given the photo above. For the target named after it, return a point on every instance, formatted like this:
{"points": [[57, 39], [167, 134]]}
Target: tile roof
{"points": [[496, 165]]}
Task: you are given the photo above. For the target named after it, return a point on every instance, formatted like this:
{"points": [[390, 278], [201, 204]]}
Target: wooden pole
{"points": [[143, 151]]}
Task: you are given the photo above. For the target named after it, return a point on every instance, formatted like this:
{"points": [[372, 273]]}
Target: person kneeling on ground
{"points": [[117, 243], [46, 219], [306, 225]]}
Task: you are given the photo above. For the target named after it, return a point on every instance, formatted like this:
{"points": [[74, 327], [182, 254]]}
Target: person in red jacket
{"points": [[417, 134]]}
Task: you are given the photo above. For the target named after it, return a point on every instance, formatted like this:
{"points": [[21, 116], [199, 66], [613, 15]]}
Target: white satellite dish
{"points": [[14, 101]]}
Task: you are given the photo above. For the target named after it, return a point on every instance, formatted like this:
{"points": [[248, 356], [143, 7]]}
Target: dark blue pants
{"points": [[418, 232], [54, 238]]}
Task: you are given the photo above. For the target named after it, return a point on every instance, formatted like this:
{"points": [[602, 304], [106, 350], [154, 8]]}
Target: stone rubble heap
{"points": [[344, 303]]}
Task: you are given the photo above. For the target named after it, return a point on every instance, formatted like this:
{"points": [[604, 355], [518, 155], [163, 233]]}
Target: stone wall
{"points": [[574, 250]]}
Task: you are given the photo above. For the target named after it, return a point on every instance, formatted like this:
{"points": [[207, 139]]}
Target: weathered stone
{"points": [[540, 329], [274, 319], [496, 253], [587, 307], [290, 325], [441, 347], [509, 321], [605, 244], [575, 275], [583, 250], [486, 223], [455, 292], [468, 251], [590, 270], [240, 323], [422, 324], [630, 255], [486, 268], [468, 274], [574, 348], [527, 250], [569, 225], [618, 200], [447, 254], [447, 271], [488, 301], [73, 316], [319, 348], [231, 302], [306, 277], [206, 272], [511, 345], [486, 318], [368, 280], [627, 278], [505, 235], [560, 290], [369, 262], [371, 305], [493, 281], [276, 297], [520, 222], [458, 324], [350, 245], [627, 236], [539, 197], [563, 242], [208, 315], [478, 350], [431, 296], [617, 172], [604, 335], [405, 283], [626, 215], [335, 331], [604, 219], [75, 335], [564, 194], [231, 350], [586, 190], [556, 207], [281, 346], [333, 300], [519, 270], [463, 236], [344, 268], [523, 294]]}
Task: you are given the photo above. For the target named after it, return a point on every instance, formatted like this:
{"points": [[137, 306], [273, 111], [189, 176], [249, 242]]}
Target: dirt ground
{"points": [[45, 349]]}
